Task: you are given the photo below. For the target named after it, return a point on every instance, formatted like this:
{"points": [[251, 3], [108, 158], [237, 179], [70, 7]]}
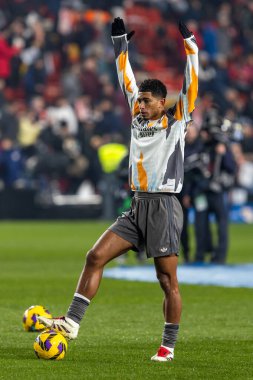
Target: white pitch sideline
{"points": [[199, 274]]}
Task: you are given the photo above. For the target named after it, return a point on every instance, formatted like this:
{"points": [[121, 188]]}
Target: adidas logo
{"points": [[164, 249]]}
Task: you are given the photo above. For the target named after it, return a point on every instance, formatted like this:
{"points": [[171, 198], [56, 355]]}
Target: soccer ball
{"points": [[50, 345], [30, 320]]}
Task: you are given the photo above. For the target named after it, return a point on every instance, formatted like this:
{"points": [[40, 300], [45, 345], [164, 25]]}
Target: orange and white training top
{"points": [[157, 146]]}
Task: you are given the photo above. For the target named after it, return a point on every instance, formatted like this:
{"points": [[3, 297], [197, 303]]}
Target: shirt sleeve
{"points": [[125, 74], [188, 94]]}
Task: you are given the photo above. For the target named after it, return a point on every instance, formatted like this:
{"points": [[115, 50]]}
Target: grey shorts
{"points": [[154, 223]]}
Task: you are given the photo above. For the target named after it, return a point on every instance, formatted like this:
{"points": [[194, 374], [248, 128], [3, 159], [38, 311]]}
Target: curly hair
{"points": [[155, 86]]}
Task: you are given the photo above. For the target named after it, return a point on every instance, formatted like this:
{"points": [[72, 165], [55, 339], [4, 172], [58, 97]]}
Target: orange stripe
{"points": [[122, 61], [188, 49], [136, 109], [165, 122], [142, 175], [123, 57], [192, 91], [179, 109], [133, 187]]}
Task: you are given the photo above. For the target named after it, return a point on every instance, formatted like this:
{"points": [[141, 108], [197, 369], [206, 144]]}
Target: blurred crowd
{"points": [[61, 105]]}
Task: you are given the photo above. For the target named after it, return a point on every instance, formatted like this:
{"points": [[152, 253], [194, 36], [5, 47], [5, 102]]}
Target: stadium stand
{"points": [[60, 101]]}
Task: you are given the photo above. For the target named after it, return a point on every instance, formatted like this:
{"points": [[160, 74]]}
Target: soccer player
{"points": [[156, 174]]}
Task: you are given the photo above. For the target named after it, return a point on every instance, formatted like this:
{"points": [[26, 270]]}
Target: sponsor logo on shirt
{"points": [[147, 132]]}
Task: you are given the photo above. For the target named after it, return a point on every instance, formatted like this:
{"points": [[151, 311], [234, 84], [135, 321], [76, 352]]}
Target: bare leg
{"points": [[105, 249], [166, 270]]}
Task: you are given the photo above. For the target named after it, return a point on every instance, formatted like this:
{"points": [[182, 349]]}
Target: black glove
{"points": [[118, 28], [184, 30]]}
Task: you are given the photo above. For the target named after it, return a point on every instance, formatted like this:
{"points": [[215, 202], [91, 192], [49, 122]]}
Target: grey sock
{"points": [[77, 308], [169, 337]]}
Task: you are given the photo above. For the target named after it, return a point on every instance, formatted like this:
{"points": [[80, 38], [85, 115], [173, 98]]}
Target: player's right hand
{"points": [[118, 28]]}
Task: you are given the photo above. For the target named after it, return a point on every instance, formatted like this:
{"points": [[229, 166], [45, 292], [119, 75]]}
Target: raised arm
{"points": [[126, 78], [188, 95]]}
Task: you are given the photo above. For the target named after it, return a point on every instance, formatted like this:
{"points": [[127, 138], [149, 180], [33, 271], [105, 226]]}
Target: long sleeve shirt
{"points": [[157, 146]]}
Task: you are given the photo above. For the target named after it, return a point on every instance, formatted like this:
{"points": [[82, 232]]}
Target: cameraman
{"points": [[192, 176], [217, 172]]}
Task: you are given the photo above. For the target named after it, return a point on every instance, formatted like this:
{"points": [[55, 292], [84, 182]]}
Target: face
{"points": [[151, 107], [192, 133]]}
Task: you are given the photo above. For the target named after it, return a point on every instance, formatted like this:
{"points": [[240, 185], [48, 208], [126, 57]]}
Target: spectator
{"points": [[62, 114], [7, 52], [34, 79], [11, 165]]}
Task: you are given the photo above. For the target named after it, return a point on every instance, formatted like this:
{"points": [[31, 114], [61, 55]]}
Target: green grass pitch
{"points": [[40, 264]]}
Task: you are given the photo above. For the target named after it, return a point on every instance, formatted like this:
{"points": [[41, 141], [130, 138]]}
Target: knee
{"points": [[94, 258], [164, 281], [168, 284]]}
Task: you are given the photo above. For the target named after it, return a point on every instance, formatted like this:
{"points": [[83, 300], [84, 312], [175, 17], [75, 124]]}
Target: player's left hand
{"points": [[186, 33], [118, 28]]}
